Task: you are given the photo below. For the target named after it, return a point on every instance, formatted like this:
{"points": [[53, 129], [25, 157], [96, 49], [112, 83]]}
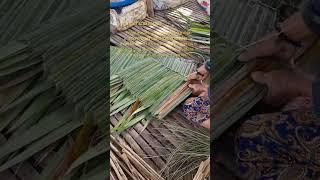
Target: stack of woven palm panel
{"points": [[53, 84]]}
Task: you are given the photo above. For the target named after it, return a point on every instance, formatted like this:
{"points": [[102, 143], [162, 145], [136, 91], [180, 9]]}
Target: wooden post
{"points": [[150, 10]]}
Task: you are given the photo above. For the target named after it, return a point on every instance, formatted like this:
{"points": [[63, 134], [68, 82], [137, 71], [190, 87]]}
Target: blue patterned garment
{"points": [[197, 109], [282, 145]]}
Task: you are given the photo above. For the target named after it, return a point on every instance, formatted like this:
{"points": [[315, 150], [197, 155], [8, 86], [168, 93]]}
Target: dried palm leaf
{"points": [[193, 148], [203, 171]]}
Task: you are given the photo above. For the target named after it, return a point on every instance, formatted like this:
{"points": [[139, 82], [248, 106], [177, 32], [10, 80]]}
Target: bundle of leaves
{"points": [[200, 33]]}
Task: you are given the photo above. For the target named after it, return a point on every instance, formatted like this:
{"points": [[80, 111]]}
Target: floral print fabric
{"points": [[197, 109], [282, 145]]}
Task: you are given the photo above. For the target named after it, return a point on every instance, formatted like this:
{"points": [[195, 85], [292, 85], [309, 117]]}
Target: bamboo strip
{"points": [[123, 165], [116, 167], [141, 163], [149, 138], [136, 173], [203, 171], [149, 151], [172, 101], [155, 37]]}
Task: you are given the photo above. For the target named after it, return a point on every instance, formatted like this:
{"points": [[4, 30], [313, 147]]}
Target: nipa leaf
{"points": [[39, 88], [45, 126], [9, 116], [35, 110], [42, 143]]}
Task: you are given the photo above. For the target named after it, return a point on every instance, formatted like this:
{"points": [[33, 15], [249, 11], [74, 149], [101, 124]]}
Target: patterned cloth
{"points": [[205, 4], [282, 145], [197, 109]]}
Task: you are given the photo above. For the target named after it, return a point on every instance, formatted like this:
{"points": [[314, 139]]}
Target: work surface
{"points": [[154, 143], [159, 29]]}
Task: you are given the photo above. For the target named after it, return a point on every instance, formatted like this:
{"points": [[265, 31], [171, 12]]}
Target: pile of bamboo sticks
{"points": [[126, 164]]}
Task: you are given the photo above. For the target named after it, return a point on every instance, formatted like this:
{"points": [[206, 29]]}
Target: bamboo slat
{"points": [[150, 152], [136, 145], [144, 144]]}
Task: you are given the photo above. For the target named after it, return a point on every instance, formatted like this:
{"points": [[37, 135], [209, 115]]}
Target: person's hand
{"points": [[199, 89], [271, 46], [206, 124], [284, 86], [199, 75]]}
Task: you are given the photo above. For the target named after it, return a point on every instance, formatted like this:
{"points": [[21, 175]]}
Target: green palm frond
{"points": [[149, 79], [200, 33]]}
